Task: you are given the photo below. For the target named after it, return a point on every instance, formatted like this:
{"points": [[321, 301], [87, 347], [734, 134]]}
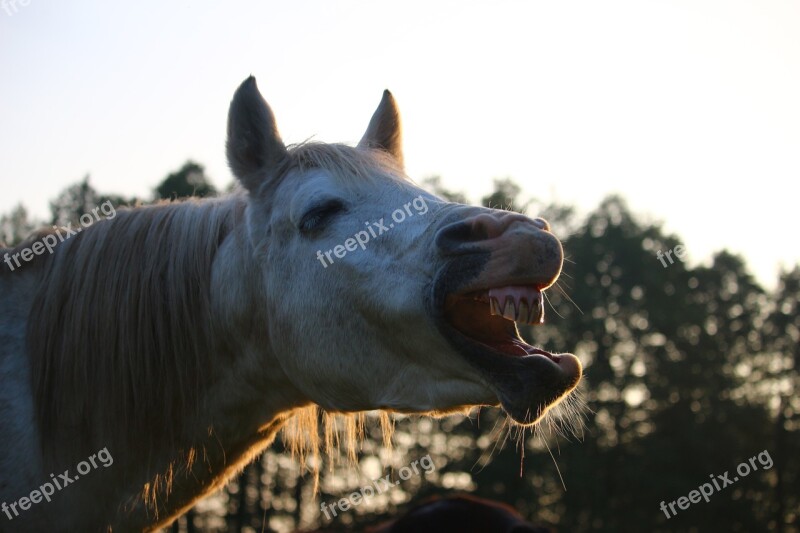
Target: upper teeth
{"points": [[517, 303]]}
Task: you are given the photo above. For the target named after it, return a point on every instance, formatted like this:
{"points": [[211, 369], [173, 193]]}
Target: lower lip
{"points": [[536, 351], [568, 363]]}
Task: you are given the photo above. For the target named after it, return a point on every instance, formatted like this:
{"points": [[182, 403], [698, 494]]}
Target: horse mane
{"points": [[346, 164], [120, 334], [121, 328]]}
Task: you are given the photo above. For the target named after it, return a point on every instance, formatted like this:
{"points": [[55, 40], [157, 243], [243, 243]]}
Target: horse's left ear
{"points": [[254, 145], [384, 130]]}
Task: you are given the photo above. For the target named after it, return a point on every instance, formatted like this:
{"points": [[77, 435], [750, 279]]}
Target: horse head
{"points": [[380, 295]]}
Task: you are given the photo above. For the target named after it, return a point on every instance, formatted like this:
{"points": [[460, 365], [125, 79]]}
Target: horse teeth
{"points": [[524, 312], [523, 304], [510, 312], [494, 307]]}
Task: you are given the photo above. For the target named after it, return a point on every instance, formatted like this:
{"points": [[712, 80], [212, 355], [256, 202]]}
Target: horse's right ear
{"points": [[254, 145]]}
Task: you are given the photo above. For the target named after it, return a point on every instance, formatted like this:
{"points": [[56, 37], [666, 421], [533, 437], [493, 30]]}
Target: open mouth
{"points": [[496, 265], [489, 317], [482, 326]]}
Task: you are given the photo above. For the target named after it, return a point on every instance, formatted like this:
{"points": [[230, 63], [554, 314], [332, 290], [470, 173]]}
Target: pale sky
{"points": [[666, 102]]}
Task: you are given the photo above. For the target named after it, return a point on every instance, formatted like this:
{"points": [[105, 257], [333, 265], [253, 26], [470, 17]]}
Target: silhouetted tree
{"points": [[79, 199], [505, 196], [16, 226], [434, 184], [190, 180]]}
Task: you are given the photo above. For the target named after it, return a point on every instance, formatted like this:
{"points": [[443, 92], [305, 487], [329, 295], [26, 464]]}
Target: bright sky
{"points": [[690, 109]]}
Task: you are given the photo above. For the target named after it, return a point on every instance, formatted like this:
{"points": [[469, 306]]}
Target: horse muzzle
{"points": [[496, 265]]}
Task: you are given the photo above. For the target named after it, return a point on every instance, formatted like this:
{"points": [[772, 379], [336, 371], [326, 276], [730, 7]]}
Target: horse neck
{"points": [[245, 406], [240, 404], [241, 424]]}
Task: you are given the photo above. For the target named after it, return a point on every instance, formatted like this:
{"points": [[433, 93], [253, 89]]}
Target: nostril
{"points": [[487, 226], [452, 236], [457, 236], [472, 230]]}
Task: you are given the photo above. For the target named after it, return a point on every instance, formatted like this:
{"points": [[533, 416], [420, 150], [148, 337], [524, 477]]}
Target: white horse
{"points": [[150, 357]]}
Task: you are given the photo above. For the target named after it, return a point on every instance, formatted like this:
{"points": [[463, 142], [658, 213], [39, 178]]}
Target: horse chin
{"points": [[527, 381]]}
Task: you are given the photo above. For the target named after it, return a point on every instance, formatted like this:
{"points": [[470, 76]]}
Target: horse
{"points": [[151, 356], [460, 513]]}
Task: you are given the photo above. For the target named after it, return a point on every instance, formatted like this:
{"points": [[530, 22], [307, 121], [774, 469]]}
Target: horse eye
{"points": [[320, 214]]}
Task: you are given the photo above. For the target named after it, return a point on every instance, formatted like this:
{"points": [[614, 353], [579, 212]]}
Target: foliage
{"points": [[189, 180], [15, 226], [434, 184]]}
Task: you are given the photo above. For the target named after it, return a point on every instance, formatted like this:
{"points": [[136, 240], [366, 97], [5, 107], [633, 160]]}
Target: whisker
{"points": [[567, 296], [555, 463], [564, 283], [567, 275], [552, 306], [494, 436], [521, 446]]}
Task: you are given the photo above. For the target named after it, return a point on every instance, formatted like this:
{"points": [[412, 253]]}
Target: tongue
{"points": [[521, 303]]}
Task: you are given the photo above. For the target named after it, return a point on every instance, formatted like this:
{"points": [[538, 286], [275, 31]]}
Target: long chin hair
{"points": [[313, 435], [312, 432]]}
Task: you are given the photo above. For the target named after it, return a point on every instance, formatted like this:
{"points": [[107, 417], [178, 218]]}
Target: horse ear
{"points": [[384, 130], [254, 145]]}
